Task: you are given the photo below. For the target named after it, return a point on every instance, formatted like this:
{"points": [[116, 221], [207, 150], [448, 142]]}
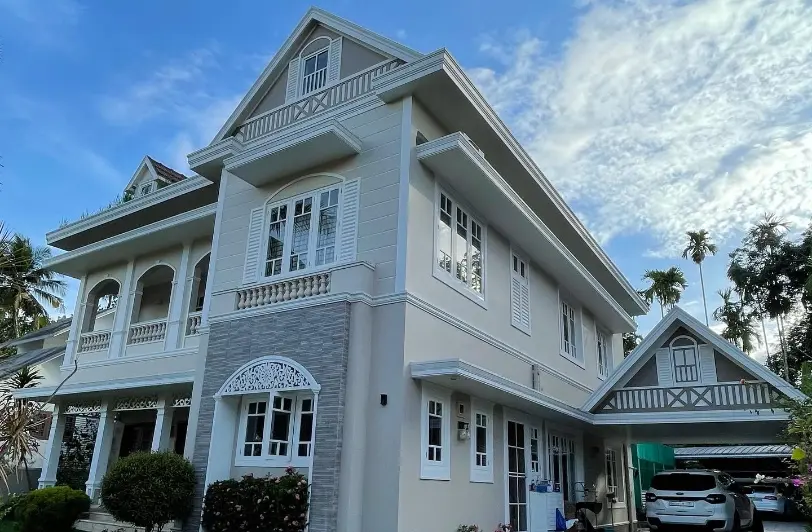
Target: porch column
{"points": [[118, 338], [223, 436], [76, 324], [176, 300], [163, 425], [101, 450], [50, 462]]}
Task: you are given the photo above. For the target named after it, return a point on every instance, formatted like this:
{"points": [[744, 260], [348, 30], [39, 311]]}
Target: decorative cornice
{"points": [[183, 377], [268, 374]]}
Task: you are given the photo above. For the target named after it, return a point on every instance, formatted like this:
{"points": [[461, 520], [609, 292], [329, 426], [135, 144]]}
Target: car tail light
{"points": [[770, 498], [716, 498], [650, 497]]}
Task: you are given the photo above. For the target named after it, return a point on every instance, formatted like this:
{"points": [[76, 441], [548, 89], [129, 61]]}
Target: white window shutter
{"points": [[707, 364], [292, 91], [253, 247], [525, 310], [664, 374], [349, 221], [334, 59], [515, 301]]}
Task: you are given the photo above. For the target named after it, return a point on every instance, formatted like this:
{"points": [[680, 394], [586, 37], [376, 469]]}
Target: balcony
{"points": [[147, 331], [723, 396], [94, 341], [193, 323]]}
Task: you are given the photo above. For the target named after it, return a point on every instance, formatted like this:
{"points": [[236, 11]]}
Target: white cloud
{"points": [[661, 116]]}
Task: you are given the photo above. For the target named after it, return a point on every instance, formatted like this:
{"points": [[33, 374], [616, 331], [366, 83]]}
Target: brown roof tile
{"points": [[167, 173]]}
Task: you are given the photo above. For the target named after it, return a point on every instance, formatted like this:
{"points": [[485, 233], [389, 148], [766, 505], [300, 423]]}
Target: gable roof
{"points": [[677, 314], [157, 170], [280, 60], [13, 364], [52, 329]]}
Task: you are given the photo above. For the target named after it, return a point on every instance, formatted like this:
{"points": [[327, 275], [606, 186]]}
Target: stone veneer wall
{"points": [[317, 338]]}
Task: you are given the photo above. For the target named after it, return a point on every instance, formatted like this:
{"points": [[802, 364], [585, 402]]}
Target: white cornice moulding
{"points": [[131, 359], [109, 385], [683, 417]]}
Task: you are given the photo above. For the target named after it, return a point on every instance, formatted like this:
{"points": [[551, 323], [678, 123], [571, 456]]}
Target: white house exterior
{"points": [[366, 262]]}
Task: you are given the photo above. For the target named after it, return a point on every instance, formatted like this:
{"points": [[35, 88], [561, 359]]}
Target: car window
{"points": [[683, 482], [763, 489]]}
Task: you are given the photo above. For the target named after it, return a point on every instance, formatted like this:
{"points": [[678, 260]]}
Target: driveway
{"points": [[784, 526]]}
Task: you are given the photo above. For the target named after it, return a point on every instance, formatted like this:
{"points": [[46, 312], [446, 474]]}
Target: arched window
{"points": [[315, 61], [685, 359], [100, 311], [151, 305]]}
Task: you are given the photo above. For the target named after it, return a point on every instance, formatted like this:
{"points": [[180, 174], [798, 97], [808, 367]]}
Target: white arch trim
{"points": [[691, 341], [311, 41], [340, 180], [267, 374], [103, 281]]}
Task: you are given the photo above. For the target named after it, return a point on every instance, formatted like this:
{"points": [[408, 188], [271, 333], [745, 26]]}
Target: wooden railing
{"points": [[724, 396], [193, 323], [316, 102], [147, 331], [300, 288], [94, 341]]}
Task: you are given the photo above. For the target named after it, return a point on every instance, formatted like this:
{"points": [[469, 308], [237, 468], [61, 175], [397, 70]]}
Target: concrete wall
{"points": [[356, 57], [645, 376], [729, 371], [595, 475]]}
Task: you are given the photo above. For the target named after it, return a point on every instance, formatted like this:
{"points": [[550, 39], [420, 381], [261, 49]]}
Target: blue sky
{"points": [[651, 117]]}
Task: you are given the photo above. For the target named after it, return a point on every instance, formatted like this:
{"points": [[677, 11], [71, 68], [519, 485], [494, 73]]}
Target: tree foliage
{"points": [[666, 286]]}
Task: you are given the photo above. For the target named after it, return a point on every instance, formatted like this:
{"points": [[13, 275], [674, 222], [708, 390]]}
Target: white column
{"points": [[76, 323], [223, 436], [118, 339], [101, 451], [50, 462], [176, 300], [163, 425]]}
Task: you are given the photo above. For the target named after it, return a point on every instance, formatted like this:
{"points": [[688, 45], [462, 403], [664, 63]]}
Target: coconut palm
{"points": [[666, 287], [26, 286], [699, 246], [739, 327]]}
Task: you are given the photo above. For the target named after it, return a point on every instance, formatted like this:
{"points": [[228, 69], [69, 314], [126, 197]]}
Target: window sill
{"points": [[445, 278], [577, 362], [482, 476], [299, 462], [435, 473], [261, 279], [525, 330], [601, 377]]}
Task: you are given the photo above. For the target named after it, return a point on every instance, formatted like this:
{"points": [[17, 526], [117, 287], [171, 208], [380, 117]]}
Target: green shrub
{"points": [[51, 509], [149, 489], [257, 504], [7, 507]]}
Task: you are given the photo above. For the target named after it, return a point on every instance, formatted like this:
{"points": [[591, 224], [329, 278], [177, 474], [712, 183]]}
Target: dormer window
{"points": [[685, 357], [315, 71], [146, 189]]}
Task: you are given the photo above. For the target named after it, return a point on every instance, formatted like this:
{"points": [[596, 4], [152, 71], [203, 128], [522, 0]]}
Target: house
{"points": [[370, 280]]}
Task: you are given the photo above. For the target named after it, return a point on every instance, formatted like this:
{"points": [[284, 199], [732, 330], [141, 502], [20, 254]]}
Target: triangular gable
{"points": [[152, 170], [669, 326], [313, 18]]}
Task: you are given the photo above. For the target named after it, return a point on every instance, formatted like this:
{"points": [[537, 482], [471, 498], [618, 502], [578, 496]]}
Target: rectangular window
{"points": [[561, 456], [481, 445], [435, 429], [285, 430], [305, 427], [520, 294], [280, 426], [534, 451], [604, 357], [568, 332], [315, 72], [459, 246], [254, 431], [686, 365], [305, 240], [614, 479], [435, 437]]}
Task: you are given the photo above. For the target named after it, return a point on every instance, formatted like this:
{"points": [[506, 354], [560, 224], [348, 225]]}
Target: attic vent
{"points": [[420, 139], [536, 373], [482, 153]]}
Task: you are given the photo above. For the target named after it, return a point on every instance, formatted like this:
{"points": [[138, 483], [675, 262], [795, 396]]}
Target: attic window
{"points": [[315, 71], [420, 139], [146, 189]]}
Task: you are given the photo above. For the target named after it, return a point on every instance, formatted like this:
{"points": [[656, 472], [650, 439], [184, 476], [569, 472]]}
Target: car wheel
{"points": [[737, 524]]}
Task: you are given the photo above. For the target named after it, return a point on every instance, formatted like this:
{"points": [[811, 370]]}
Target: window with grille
{"points": [[459, 247], [604, 356], [302, 232], [481, 444], [686, 364], [314, 73], [561, 456], [435, 436], [614, 478], [569, 346], [276, 430]]}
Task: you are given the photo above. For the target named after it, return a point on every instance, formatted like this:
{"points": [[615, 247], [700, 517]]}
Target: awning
{"points": [[733, 451], [13, 364]]}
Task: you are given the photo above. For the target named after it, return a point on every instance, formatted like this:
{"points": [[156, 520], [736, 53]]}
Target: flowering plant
{"points": [[504, 528], [468, 528]]}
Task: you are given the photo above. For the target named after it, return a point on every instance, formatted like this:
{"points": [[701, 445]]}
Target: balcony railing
{"points": [[94, 341], [193, 323], [147, 331], [316, 102], [724, 396], [300, 288]]}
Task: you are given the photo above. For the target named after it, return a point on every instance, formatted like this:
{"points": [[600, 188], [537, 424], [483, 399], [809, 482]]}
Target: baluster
{"points": [[300, 288], [285, 291]]}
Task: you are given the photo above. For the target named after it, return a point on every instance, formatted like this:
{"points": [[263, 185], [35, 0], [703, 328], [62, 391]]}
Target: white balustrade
{"points": [[147, 331], [315, 102], [722, 396], [193, 323], [94, 341], [300, 288]]}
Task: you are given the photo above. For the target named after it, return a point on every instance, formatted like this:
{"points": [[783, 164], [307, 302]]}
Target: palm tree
{"points": [[699, 246], [666, 287], [739, 328], [26, 286]]}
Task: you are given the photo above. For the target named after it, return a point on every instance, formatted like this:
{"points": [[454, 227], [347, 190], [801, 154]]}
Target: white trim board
{"points": [[675, 315], [110, 385]]}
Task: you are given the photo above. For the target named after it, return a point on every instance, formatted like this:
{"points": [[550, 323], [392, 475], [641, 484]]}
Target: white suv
{"points": [[708, 499]]}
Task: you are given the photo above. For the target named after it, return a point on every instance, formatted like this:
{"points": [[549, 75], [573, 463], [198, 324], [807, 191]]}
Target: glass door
{"points": [[517, 476], [561, 455]]}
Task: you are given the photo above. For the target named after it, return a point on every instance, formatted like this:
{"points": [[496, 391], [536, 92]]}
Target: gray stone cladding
{"points": [[317, 338]]}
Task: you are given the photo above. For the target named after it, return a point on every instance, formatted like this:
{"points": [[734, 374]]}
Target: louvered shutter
{"points": [[707, 364], [292, 91], [334, 59], [525, 306], [253, 246], [664, 374], [349, 221]]}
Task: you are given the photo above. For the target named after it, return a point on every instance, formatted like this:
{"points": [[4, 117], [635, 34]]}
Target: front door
{"points": [[136, 437], [517, 476]]}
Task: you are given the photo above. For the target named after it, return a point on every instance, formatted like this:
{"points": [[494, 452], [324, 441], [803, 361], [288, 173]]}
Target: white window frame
{"points": [[673, 360], [614, 470], [291, 458], [435, 470], [449, 278], [285, 272], [326, 70], [602, 338], [576, 335], [575, 472], [518, 262], [482, 473]]}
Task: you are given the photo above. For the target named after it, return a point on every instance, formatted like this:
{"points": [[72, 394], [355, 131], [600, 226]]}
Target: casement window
{"points": [[561, 460], [481, 444], [435, 435], [314, 71], [614, 477], [302, 232], [686, 360], [569, 332], [604, 355], [535, 466], [459, 255], [519, 293], [276, 430]]}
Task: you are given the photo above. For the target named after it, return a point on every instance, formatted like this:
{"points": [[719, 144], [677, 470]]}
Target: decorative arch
{"points": [[293, 189], [103, 282], [683, 341], [267, 374], [157, 265], [309, 48]]}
